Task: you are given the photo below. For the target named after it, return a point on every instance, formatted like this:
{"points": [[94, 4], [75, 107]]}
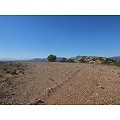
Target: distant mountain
{"points": [[30, 60], [58, 59], [13, 59], [75, 57], [44, 59], [38, 60], [116, 58], [7, 59]]}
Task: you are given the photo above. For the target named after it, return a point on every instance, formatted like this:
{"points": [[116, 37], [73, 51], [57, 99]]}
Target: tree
{"points": [[51, 58], [64, 59]]}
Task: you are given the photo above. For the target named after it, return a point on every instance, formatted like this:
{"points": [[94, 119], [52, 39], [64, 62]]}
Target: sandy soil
{"points": [[61, 84]]}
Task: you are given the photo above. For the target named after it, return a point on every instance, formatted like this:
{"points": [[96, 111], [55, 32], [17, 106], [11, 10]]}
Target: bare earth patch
{"points": [[39, 83]]}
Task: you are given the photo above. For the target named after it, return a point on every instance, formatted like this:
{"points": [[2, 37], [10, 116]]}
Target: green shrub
{"points": [[82, 60], [108, 61], [117, 63], [94, 59], [71, 60], [51, 58], [100, 58], [105, 61], [64, 59]]}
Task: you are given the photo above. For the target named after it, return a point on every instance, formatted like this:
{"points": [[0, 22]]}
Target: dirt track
{"points": [[62, 83]]}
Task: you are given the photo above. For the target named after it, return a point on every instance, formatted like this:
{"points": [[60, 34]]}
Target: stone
{"points": [[17, 71], [13, 72]]}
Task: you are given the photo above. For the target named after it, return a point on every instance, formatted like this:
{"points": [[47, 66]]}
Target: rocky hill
{"points": [[94, 60], [116, 58]]}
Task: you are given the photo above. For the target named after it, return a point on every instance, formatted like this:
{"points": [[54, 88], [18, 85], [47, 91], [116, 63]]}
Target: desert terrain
{"points": [[57, 83]]}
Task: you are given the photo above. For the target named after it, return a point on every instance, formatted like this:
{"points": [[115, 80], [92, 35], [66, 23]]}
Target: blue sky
{"points": [[39, 36]]}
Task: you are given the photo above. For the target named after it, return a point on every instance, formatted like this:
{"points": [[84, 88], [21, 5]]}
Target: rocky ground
{"points": [[45, 83]]}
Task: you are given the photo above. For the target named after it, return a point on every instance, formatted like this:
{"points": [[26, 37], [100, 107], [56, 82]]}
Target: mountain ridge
{"points": [[116, 58]]}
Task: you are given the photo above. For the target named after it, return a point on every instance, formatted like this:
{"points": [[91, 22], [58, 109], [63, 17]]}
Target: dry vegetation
{"points": [[47, 83]]}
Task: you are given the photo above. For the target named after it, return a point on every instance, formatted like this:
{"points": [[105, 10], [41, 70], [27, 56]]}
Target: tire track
{"points": [[51, 91]]}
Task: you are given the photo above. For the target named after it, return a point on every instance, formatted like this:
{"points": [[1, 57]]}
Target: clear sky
{"points": [[39, 36]]}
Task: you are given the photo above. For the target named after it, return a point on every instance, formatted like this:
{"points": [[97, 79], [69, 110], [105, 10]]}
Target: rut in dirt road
{"points": [[88, 86], [51, 91]]}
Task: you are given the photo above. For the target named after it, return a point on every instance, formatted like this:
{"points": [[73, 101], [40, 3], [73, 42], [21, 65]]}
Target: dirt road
{"points": [[62, 83]]}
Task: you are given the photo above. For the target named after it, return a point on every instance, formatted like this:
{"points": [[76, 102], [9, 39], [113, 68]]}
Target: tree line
{"points": [[52, 58]]}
